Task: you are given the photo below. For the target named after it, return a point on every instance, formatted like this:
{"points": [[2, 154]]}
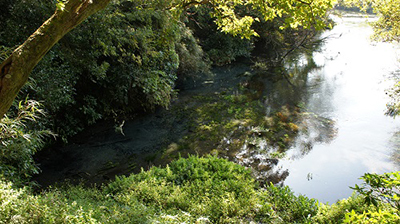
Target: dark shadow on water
{"points": [[252, 115]]}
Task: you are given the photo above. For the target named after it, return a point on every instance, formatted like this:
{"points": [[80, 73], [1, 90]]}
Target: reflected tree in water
{"points": [[256, 123]]}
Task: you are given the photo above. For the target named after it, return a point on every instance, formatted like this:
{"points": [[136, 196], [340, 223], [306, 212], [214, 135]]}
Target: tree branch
{"points": [[15, 70]]}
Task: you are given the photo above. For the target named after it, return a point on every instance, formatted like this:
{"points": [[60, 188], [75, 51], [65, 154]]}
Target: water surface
{"points": [[348, 88], [335, 97]]}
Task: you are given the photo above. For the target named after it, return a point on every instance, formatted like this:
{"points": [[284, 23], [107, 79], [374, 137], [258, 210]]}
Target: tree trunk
{"points": [[15, 70]]}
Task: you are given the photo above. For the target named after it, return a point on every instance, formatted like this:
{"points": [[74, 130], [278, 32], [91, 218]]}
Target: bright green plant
{"points": [[380, 188], [291, 208], [193, 190], [383, 192], [373, 216], [336, 212], [20, 139], [216, 187], [375, 201]]}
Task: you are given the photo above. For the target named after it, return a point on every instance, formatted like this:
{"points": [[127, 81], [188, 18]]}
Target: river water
{"points": [[348, 88], [344, 133]]}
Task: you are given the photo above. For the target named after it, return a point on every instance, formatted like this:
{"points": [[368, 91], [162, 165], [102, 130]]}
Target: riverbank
{"points": [[193, 190], [234, 113], [303, 123]]}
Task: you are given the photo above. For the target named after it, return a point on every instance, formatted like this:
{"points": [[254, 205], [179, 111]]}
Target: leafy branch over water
{"points": [[20, 139], [381, 188]]}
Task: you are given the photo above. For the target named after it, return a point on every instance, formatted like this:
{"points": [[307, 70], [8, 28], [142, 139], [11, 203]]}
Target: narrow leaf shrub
{"points": [[20, 139]]}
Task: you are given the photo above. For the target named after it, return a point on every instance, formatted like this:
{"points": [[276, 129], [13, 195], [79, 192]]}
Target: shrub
{"points": [[220, 189], [376, 202], [381, 188], [291, 208], [373, 216], [20, 139], [193, 190], [221, 48], [336, 212]]}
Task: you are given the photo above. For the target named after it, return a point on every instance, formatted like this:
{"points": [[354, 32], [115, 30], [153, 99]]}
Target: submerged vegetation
{"points": [[232, 124], [131, 59]]}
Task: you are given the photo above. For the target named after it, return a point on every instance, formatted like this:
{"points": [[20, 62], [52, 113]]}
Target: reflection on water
{"points": [[349, 89], [287, 99], [317, 130]]}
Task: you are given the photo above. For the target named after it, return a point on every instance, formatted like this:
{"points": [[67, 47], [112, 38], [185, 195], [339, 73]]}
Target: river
{"points": [[317, 133], [349, 88]]}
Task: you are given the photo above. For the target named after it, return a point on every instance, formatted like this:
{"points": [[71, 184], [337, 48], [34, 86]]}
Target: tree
{"points": [[15, 70], [387, 28]]}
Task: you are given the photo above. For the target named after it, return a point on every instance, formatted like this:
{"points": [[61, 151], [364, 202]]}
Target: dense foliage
{"points": [[119, 62], [193, 190], [378, 188], [126, 60], [202, 190], [20, 140], [376, 201]]}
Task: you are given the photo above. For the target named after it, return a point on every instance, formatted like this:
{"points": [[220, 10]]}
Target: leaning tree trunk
{"points": [[15, 70]]}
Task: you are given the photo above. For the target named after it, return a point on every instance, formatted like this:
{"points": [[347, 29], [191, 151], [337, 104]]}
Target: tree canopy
{"points": [[234, 17]]}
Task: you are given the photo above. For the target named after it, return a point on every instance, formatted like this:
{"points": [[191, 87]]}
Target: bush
{"points": [[354, 210], [208, 186], [292, 209], [373, 216], [381, 188], [193, 190], [336, 212], [192, 59], [20, 139], [376, 202]]}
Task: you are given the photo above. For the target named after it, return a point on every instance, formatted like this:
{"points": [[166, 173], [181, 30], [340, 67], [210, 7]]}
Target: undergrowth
{"points": [[192, 190]]}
